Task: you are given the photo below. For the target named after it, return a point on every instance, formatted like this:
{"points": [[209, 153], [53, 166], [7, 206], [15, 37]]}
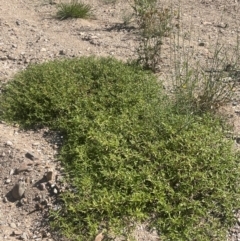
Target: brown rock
{"points": [[49, 175]]}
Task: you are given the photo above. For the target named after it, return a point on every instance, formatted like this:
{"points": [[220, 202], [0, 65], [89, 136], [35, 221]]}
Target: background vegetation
{"points": [[74, 9]]}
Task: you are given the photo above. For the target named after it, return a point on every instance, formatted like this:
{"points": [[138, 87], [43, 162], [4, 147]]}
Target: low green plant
{"points": [[129, 156], [74, 9]]}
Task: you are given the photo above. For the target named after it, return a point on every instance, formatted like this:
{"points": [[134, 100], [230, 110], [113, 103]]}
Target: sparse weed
{"points": [[154, 25], [204, 87], [74, 9]]}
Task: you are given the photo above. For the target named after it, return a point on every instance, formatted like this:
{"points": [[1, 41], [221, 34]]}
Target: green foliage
{"points": [[74, 9], [130, 156]]}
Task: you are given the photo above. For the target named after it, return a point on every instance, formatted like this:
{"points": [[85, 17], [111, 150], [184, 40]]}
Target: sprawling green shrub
{"points": [[129, 155]]}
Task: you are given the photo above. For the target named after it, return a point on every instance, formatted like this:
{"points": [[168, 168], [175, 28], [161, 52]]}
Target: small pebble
{"points": [[11, 172], [24, 236], [42, 186], [18, 190], [49, 175], [7, 181], [30, 156], [13, 225], [9, 143]]}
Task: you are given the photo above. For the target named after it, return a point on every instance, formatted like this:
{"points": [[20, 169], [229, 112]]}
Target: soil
{"points": [[31, 34]]}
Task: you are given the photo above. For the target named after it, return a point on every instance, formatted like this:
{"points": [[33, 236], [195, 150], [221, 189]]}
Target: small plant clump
{"points": [[74, 9], [129, 155]]}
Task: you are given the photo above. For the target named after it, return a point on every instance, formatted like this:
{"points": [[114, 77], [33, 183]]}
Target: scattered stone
{"points": [[9, 143], [44, 234], [221, 25], [18, 190], [42, 186], [27, 180], [3, 58], [16, 233], [234, 104], [49, 175], [13, 225], [11, 172], [99, 237], [35, 144], [206, 23], [61, 52], [11, 57], [201, 44], [24, 236], [7, 181], [31, 156]]}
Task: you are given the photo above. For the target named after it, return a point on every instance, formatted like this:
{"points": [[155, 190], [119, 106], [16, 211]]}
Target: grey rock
{"points": [[16, 233], [35, 144], [3, 58], [24, 236], [30, 156], [8, 143], [18, 190], [7, 181], [11, 57], [55, 191]]}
